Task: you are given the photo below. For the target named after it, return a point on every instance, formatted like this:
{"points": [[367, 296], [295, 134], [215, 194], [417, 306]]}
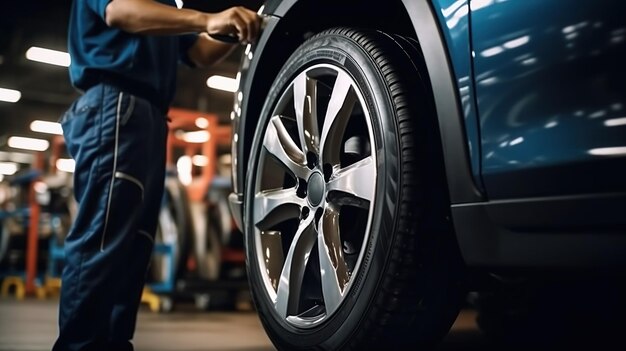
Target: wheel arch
{"points": [[295, 21]]}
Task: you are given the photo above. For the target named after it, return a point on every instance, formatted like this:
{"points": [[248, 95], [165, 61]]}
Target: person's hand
{"points": [[237, 21]]}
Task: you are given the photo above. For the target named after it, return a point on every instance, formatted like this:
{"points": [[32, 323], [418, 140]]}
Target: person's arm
{"points": [[151, 17], [206, 51]]}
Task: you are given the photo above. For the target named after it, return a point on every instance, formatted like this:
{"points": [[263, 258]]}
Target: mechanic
{"points": [[124, 58]]}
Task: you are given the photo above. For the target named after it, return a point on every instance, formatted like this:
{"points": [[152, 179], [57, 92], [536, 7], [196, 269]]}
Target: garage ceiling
{"points": [[46, 91]]}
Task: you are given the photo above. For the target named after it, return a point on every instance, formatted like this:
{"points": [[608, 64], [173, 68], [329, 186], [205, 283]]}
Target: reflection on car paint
{"points": [[556, 82]]}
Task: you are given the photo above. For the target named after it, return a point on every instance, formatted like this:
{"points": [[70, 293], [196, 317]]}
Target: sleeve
{"points": [[98, 6], [185, 42]]}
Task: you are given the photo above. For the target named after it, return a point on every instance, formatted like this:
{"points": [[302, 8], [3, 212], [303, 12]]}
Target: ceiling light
{"points": [[10, 95], [200, 160], [8, 168], [202, 123], [200, 136], [53, 57], [17, 157], [40, 187], [222, 83], [184, 166], [46, 127], [28, 143], [66, 165]]}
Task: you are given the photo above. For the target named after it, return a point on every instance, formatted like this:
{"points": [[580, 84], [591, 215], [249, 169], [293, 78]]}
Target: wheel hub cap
{"points": [[315, 189]]}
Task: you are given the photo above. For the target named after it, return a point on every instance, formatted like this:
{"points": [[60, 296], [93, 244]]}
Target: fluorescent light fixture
{"points": [[222, 83], [197, 137], [52, 57], [28, 143], [66, 165], [10, 95], [46, 127], [183, 166], [8, 168], [40, 187], [202, 122], [17, 157], [200, 160]]}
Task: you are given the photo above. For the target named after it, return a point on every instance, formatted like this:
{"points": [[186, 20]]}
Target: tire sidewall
{"points": [[336, 50]]}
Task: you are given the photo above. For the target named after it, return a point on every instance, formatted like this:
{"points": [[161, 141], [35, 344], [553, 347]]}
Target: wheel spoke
{"points": [[288, 294], [305, 104], [357, 180], [274, 206], [279, 144], [340, 107], [273, 255], [333, 268]]}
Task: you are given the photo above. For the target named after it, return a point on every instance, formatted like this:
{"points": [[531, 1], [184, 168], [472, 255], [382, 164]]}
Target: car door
{"points": [[550, 82]]}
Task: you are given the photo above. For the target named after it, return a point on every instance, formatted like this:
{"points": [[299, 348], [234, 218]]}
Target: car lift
{"points": [[160, 296]]}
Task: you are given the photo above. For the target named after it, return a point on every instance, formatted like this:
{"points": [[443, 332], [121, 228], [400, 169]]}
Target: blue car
{"points": [[389, 157]]}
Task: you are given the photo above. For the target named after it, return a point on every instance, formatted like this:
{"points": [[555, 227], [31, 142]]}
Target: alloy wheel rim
{"points": [[314, 195]]}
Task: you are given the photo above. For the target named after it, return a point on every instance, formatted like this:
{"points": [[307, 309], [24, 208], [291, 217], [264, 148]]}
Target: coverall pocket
{"points": [[77, 125]]}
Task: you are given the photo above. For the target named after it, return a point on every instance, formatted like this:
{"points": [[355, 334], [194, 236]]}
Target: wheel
{"points": [[4, 240], [178, 207], [172, 228], [166, 304], [348, 245], [207, 245], [202, 301]]}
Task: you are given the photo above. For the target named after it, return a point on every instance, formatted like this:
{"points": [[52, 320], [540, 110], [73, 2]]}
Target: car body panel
{"points": [[551, 96], [454, 24]]}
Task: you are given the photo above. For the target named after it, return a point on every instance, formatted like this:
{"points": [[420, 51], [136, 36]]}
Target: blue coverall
{"points": [[116, 132]]}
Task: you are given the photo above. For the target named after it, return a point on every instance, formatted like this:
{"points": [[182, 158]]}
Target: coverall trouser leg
{"points": [[118, 143]]}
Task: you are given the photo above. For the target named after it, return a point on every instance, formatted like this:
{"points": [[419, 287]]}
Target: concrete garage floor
{"points": [[30, 325]]}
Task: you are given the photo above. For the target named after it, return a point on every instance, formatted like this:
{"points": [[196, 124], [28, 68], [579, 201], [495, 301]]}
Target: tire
{"points": [[173, 228], [219, 213], [207, 245], [4, 240], [347, 239]]}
